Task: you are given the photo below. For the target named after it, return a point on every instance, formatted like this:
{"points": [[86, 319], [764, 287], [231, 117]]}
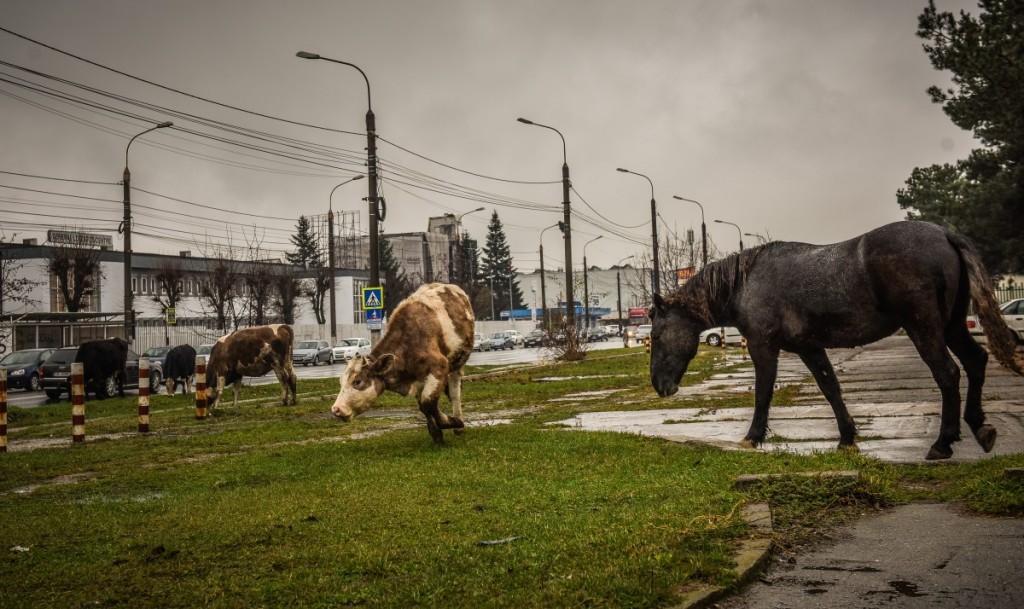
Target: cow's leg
{"points": [[188, 384], [120, 383], [974, 359], [292, 381], [455, 395], [236, 388], [170, 387], [220, 391], [818, 363], [932, 348], [433, 415], [766, 362]]}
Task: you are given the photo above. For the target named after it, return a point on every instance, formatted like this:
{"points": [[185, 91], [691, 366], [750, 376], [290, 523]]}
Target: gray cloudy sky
{"points": [[794, 118]]}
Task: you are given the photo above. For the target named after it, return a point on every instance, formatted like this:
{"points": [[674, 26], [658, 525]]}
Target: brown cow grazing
{"points": [[429, 339], [251, 352]]}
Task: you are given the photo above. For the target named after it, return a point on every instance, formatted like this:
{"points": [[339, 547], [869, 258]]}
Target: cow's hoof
{"points": [[849, 448], [936, 454], [745, 443], [986, 437], [456, 423]]}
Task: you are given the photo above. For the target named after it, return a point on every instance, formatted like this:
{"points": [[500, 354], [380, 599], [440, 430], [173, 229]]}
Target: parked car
{"points": [[713, 336], [204, 350], [480, 343], [536, 338], [517, 337], [23, 368], [502, 340], [595, 334], [1013, 315], [312, 352], [55, 375], [347, 348], [157, 361], [643, 334]]}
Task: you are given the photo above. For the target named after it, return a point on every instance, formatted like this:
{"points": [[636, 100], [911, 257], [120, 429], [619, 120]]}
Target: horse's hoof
{"points": [[745, 443], [934, 454], [849, 448], [986, 437]]}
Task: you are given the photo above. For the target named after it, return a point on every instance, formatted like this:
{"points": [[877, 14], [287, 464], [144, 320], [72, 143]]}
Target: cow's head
{"points": [[361, 383]]}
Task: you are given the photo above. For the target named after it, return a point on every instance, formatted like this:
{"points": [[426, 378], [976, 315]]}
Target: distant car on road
{"points": [[204, 350], [516, 336], [713, 336], [1013, 315], [347, 348], [643, 334], [312, 352], [480, 343], [536, 338], [596, 333], [502, 340], [23, 368]]}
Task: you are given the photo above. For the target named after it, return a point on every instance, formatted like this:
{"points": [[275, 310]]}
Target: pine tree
{"points": [[397, 285], [496, 269], [307, 251]]}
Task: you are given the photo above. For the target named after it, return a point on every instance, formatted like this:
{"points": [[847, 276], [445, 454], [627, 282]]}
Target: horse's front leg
{"points": [[766, 364], [818, 363]]}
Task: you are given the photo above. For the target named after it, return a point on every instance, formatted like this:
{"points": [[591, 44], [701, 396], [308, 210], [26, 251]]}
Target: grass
{"points": [[262, 505]]}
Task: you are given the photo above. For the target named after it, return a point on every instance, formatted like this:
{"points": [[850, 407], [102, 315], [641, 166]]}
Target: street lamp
{"points": [[570, 305], [737, 230], [330, 256], [458, 245], [761, 239], [371, 165], [703, 228], [586, 287], [618, 287], [126, 228], [543, 292], [654, 230]]}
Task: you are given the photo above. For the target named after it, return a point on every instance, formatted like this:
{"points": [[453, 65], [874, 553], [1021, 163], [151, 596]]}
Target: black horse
{"points": [[806, 298]]}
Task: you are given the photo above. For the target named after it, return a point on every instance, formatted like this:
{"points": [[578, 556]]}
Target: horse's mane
{"points": [[708, 293]]}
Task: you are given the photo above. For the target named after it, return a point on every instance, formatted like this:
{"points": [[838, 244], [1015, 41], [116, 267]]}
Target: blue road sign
{"points": [[375, 319]]}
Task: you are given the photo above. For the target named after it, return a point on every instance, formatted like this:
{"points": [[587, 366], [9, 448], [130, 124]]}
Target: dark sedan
{"points": [[23, 368], [55, 375]]}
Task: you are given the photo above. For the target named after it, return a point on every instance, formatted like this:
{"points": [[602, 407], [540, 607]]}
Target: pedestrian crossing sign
{"points": [[373, 298]]}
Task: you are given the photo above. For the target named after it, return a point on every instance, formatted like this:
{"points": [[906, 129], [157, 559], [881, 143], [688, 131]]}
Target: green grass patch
{"points": [[264, 505]]}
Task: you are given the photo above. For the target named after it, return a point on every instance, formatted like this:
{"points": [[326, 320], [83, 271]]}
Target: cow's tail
{"points": [[1002, 341]]}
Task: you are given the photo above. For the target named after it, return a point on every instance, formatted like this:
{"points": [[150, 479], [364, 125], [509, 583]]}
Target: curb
{"points": [[750, 558]]}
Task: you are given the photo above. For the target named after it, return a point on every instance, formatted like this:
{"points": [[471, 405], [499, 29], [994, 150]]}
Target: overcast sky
{"points": [[797, 119]]}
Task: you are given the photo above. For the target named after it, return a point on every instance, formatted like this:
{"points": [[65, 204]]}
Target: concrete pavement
{"points": [[888, 390]]}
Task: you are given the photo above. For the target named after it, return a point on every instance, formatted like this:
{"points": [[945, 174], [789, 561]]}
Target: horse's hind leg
{"points": [[818, 363], [932, 348], [974, 359], [766, 363]]}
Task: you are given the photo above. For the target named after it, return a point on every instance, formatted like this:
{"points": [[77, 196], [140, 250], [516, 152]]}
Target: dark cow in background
{"points": [[428, 341], [101, 360], [179, 368], [251, 352]]}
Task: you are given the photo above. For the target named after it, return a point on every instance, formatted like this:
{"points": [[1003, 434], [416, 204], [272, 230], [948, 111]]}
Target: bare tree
{"points": [[76, 268], [258, 282], [316, 290], [170, 277], [15, 289], [287, 290], [218, 289]]}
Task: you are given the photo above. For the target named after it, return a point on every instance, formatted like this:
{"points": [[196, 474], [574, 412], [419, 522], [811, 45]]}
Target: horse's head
{"points": [[675, 334]]}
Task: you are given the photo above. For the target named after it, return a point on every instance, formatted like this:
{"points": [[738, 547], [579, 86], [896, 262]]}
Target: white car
{"points": [[1013, 315], [480, 343], [516, 336], [347, 348], [713, 336]]}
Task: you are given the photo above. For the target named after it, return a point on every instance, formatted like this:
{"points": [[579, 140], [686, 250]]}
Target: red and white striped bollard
{"points": [[77, 402], [200, 387], [144, 395]]}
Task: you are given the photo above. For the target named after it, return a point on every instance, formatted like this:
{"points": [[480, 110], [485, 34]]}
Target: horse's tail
{"points": [[1001, 339]]}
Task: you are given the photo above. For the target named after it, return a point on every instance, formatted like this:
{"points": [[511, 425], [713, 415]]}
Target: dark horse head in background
{"points": [[805, 298]]}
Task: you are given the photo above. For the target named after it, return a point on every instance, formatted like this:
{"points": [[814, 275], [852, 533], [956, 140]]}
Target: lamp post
{"points": [[738, 230], [330, 256], [586, 286], [655, 287], [570, 305], [761, 239], [618, 287], [126, 228], [703, 229], [458, 245], [371, 166], [543, 292]]}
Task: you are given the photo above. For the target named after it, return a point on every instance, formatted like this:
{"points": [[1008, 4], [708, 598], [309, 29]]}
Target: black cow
{"points": [[179, 368], [103, 359]]}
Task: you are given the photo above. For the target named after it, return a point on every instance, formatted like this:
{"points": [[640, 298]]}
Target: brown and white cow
{"points": [[251, 352], [429, 339]]}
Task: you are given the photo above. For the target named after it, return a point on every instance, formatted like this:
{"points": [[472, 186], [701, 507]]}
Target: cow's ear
{"points": [[385, 363]]}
